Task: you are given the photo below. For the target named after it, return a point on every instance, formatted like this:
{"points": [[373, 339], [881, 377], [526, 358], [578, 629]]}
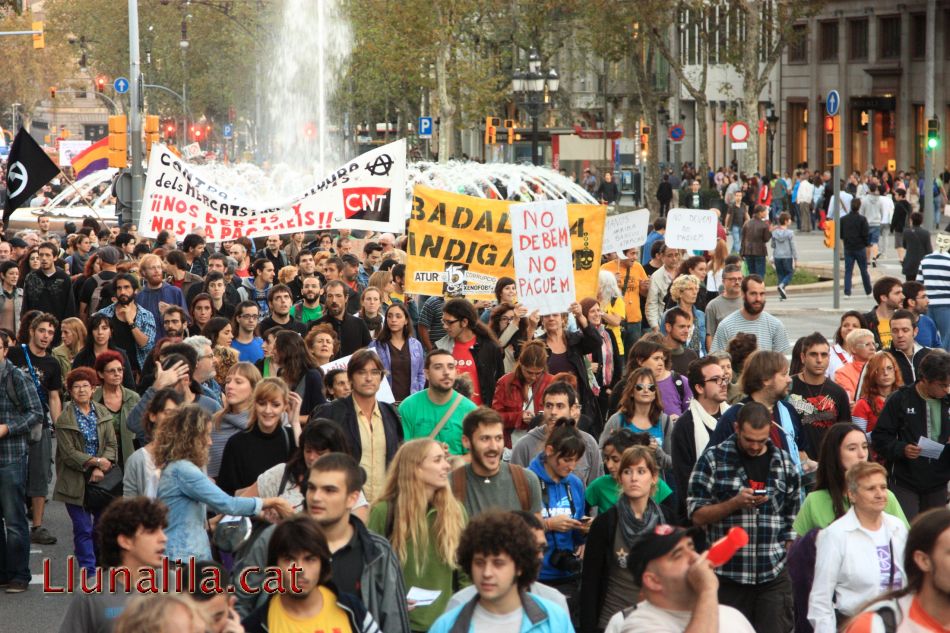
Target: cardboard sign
{"points": [[367, 193], [625, 230], [541, 245], [691, 229], [461, 245], [385, 393]]}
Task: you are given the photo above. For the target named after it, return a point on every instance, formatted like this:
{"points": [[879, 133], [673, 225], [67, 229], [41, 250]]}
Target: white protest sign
{"points": [[541, 248], [68, 150], [367, 193], [385, 393], [625, 230], [691, 229]]}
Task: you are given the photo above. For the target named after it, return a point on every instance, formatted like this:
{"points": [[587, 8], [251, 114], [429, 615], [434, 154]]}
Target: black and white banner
{"points": [[368, 192]]}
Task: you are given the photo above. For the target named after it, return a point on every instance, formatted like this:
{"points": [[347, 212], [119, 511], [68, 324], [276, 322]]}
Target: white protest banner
{"points": [[691, 229], [368, 193], [625, 230], [69, 150], [541, 248], [385, 393]]}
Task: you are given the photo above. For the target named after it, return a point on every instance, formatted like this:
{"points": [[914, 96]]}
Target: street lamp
{"points": [[771, 118], [532, 89]]}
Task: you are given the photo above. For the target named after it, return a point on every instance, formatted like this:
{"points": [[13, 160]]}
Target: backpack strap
{"points": [[522, 489], [459, 484], [888, 619], [445, 418]]}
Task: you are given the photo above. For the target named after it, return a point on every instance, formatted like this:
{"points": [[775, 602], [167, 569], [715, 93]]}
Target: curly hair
{"points": [[224, 359], [124, 517], [740, 347], [496, 532], [81, 374], [184, 437], [680, 283]]}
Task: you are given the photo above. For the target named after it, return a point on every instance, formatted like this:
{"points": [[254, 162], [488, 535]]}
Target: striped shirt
{"points": [[935, 275], [769, 332]]}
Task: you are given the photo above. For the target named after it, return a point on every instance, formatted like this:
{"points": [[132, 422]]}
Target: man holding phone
{"points": [[749, 482]]}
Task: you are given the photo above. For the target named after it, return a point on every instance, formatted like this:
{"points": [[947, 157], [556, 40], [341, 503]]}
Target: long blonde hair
{"points": [[78, 329], [408, 505], [267, 389], [247, 371]]}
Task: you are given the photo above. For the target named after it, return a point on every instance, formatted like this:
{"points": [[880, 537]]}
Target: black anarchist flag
{"points": [[28, 169]]}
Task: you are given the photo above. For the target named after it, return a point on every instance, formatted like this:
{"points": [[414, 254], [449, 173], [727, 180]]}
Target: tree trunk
{"points": [[649, 101], [702, 131], [446, 105]]}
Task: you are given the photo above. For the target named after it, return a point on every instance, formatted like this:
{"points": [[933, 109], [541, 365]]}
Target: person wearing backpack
{"points": [[21, 411], [488, 482], [97, 290]]}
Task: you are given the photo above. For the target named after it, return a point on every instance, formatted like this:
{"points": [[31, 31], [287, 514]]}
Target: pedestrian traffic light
{"points": [[39, 39], [644, 140], [118, 141], [492, 123], [832, 141], [510, 129], [100, 83], [933, 133], [151, 132], [830, 233]]}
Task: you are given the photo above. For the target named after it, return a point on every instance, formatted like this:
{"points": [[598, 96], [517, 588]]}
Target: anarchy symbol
{"points": [[380, 166], [17, 173]]}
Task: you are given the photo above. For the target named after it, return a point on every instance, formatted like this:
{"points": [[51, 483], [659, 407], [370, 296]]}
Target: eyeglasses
{"points": [[718, 380], [645, 387], [450, 321]]}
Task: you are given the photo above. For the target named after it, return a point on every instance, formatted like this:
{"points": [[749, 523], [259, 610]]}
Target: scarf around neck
{"points": [[703, 424], [633, 528]]}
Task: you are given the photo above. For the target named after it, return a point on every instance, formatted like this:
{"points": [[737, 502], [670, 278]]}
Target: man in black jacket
{"points": [[904, 348], [855, 234], [351, 331], [664, 195], [372, 427], [914, 412]]}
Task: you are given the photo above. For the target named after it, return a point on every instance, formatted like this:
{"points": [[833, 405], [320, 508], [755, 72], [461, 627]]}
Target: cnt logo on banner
{"points": [[366, 193]]}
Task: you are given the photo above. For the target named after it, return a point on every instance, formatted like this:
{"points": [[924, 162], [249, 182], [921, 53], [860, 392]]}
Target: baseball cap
{"points": [[109, 255], [658, 543]]}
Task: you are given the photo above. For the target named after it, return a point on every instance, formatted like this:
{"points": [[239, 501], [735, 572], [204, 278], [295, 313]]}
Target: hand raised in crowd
{"points": [[521, 311], [170, 377], [534, 319]]}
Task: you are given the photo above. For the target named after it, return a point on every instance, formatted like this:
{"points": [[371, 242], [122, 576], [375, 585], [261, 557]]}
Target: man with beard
{"points": [[49, 289], [749, 481], [351, 331], [888, 292], [279, 301], [677, 323], [819, 400], [175, 321], [308, 309], [133, 328], [765, 378], [306, 269], [157, 295], [488, 482], [273, 253], [437, 412], [752, 318], [364, 563], [307, 600], [905, 349]]}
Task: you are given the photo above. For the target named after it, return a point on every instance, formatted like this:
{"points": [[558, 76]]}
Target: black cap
{"points": [[659, 542], [18, 242]]}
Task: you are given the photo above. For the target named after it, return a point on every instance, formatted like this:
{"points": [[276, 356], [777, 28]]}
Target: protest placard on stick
{"points": [[625, 230], [541, 245], [691, 229]]}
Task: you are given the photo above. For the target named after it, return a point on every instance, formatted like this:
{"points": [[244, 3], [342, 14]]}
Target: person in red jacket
{"points": [[519, 394]]}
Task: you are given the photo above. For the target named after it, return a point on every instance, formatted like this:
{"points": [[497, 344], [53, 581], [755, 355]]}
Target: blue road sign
{"points": [[425, 127], [677, 133], [832, 103], [228, 130], [121, 85]]}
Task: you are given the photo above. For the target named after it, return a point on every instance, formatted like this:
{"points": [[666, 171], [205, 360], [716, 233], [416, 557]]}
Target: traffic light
{"points": [[169, 129], [197, 133], [933, 134], [310, 131], [510, 128], [645, 140], [100, 83], [39, 39], [118, 141], [832, 141], [151, 132], [492, 123], [52, 92], [830, 233]]}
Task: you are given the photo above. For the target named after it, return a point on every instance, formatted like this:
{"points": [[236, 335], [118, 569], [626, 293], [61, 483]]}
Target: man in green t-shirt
{"points": [[309, 308], [424, 410]]}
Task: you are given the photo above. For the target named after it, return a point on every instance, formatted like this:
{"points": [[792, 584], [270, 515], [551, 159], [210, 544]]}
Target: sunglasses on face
{"points": [[645, 387]]}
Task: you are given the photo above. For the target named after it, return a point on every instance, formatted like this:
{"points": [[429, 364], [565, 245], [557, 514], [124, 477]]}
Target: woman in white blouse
{"points": [[850, 320], [860, 555]]}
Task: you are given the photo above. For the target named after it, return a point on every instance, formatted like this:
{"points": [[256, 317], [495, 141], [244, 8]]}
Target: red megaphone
{"points": [[726, 547]]}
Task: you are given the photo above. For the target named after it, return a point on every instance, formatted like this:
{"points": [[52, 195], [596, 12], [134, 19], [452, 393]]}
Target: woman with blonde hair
{"points": [[73, 337], [382, 280], [420, 516], [861, 345], [684, 291], [273, 428], [160, 613], [239, 385], [182, 445]]}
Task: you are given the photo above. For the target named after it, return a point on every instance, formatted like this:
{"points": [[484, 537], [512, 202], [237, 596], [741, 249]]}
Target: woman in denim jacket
{"points": [[182, 453]]}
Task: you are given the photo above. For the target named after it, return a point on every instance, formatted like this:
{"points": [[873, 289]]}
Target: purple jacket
{"points": [[417, 379]]}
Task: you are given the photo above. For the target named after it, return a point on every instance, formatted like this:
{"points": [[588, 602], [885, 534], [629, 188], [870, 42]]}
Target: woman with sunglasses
{"points": [[861, 344], [641, 411]]}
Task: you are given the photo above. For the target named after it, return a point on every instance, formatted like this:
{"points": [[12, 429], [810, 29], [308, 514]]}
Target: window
{"points": [[858, 40], [918, 35], [798, 44], [828, 41], [890, 37]]}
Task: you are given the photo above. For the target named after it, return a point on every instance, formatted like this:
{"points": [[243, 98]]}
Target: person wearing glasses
{"points": [[373, 428], [728, 301], [861, 344], [641, 411], [110, 367], [249, 346], [474, 347]]}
